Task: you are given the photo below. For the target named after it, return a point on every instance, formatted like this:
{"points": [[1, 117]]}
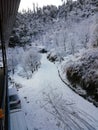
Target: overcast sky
{"points": [[25, 4]]}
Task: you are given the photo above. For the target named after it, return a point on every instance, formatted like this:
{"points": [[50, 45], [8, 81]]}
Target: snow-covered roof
{"points": [[7, 8], [12, 91], [18, 121]]}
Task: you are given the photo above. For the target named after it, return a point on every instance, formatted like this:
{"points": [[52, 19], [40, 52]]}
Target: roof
{"points": [[12, 91], [8, 11], [18, 121]]}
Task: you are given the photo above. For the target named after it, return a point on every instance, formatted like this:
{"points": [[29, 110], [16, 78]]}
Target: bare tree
{"points": [[72, 44], [64, 40], [31, 61], [34, 8], [13, 61]]}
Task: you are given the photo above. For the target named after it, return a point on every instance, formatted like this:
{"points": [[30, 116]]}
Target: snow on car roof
{"points": [[18, 121], [12, 91]]}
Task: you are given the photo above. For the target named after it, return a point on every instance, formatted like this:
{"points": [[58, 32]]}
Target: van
{"points": [[17, 120], [14, 100], [17, 117]]}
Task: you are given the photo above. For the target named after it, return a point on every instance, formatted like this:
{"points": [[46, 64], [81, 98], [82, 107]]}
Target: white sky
{"points": [[25, 4]]}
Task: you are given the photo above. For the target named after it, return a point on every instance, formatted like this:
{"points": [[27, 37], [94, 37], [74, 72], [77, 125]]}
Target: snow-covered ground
{"points": [[49, 104]]}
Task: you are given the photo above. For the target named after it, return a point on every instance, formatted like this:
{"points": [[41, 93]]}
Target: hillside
{"points": [[36, 24], [69, 33]]}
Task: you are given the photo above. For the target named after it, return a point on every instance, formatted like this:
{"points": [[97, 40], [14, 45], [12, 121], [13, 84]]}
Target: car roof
{"points": [[18, 121], [12, 91]]}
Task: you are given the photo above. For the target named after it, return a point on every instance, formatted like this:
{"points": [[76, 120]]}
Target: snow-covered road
{"points": [[50, 105]]}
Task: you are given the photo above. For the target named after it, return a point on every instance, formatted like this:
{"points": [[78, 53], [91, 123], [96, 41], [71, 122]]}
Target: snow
{"points": [[82, 68], [49, 104], [17, 120]]}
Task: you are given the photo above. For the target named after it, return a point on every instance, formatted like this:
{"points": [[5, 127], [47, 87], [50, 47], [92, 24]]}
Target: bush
{"points": [[54, 56], [84, 73], [30, 62]]}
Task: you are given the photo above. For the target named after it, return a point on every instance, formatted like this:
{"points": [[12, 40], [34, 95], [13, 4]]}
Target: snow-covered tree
{"points": [[13, 60], [30, 61]]}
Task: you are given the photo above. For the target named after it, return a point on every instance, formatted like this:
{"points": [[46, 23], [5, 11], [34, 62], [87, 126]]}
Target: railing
{"points": [[8, 11], [4, 102], [4, 105]]}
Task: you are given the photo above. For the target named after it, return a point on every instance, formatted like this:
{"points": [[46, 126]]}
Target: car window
{"points": [[13, 98], [13, 106]]}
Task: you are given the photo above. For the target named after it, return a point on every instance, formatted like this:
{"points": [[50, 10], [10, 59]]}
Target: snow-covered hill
{"points": [[37, 25], [64, 31], [69, 36]]}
